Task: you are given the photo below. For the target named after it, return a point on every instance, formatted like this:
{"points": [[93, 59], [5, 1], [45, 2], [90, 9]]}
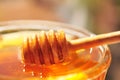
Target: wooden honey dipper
{"points": [[51, 47]]}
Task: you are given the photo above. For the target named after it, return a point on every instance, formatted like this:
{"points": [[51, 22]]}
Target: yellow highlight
{"points": [[75, 76], [15, 39], [11, 40], [81, 50]]}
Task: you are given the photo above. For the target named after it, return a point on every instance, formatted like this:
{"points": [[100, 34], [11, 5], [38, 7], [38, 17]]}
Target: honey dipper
{"points": [[48, 48]]}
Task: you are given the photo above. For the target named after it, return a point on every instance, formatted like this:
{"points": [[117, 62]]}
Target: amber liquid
{"points": [[90, 64]]}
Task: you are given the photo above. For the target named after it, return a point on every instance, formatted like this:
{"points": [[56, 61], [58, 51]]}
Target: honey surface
{"points": [[11, 65]]}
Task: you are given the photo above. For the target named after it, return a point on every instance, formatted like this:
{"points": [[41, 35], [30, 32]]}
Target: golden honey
{"points": [[84, 64]]}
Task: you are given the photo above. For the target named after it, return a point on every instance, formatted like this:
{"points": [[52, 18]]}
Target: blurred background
{"points": [[98, 16]]}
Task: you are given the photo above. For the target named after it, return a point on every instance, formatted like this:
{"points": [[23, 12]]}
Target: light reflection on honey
{"points": [[82, 66]]}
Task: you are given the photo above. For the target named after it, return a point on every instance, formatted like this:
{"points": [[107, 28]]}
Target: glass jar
{"points": [[85, 64]]}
